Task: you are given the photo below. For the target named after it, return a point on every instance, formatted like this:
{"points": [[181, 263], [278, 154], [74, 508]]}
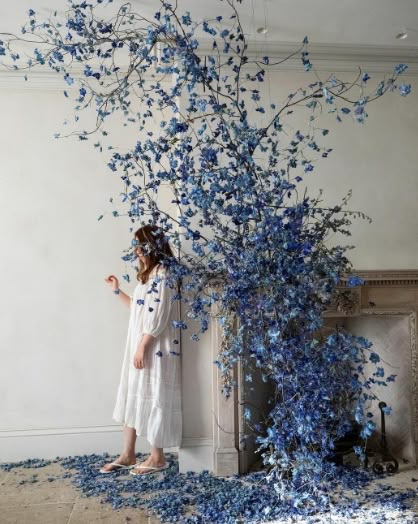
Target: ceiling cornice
{"points": [[324, 57], [333, 57]]}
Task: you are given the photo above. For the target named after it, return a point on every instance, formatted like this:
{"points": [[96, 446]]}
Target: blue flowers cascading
{"points": [[251, 241]]}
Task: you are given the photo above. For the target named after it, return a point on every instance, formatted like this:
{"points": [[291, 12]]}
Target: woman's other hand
{"points": [[146, 343], [139, 357]]}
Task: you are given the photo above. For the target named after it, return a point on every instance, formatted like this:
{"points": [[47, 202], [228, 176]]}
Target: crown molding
{"points": [[324, 57], [331, 57]]}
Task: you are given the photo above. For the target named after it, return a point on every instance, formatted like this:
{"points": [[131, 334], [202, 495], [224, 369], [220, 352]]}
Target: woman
{"points": [[148, 401]]}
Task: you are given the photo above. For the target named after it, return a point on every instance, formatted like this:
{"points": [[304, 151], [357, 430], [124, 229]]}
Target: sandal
{"points": [[151, 468], [115, 466]]}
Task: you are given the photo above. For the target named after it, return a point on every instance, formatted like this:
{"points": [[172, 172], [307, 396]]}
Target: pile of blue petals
{"points": [[203, 498]]}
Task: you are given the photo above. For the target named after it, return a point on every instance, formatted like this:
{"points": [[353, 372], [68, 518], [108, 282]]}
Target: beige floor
{"points": [[56, 502], [59, 501]]}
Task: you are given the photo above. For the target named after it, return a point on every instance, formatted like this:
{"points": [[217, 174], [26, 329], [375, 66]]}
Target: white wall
{"points": [[378, 160], [62, 331]]}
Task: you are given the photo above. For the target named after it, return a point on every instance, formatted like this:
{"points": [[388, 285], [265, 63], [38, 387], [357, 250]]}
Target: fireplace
{"points": [[383, 310]]}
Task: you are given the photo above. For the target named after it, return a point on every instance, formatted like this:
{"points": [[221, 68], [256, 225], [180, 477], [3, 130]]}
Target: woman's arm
{"points": [[157, 306], [114, 284], [126, 299]]}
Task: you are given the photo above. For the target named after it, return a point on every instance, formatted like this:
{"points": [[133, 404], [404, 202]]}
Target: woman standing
{"points": [[148, 400]]}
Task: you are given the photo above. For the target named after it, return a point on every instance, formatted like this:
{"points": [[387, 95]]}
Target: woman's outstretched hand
{"points": [[113, 282]]}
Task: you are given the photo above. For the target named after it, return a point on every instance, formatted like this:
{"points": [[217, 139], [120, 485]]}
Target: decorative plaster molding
{"points": [[388, 277], [332, 57], [346, 302], [324, 57]]}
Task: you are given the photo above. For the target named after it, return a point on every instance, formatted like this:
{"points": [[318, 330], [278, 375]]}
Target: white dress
{"points": [[149, 399]]}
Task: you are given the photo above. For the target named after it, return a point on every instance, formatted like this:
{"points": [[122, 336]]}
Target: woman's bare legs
{"points": [[129, 443], [155, 460], [127, 457], [157, 456]]}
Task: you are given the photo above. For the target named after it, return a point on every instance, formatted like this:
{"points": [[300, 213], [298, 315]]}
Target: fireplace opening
{"points": [[391, 338]]}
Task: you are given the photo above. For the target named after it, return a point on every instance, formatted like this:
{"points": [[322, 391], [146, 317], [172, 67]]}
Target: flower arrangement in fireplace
{"points": [[250, 240]]}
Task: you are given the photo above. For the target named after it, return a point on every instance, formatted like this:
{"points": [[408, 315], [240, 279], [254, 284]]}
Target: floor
{"points": [[374, 508], [23, 501], [46, 495]]}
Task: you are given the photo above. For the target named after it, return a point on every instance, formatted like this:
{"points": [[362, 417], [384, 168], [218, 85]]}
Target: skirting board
{"points": [[50, 443], [196, 454]]}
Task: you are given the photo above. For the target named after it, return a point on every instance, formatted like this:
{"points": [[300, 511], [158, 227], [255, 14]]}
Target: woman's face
{"points": [[140, 253]]}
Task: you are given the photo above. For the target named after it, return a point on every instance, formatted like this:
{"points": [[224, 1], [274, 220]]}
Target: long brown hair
{"points": [[158, 249]]}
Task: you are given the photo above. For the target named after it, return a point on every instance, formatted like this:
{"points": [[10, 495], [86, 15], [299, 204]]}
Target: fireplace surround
{"points": [[386, 303]]}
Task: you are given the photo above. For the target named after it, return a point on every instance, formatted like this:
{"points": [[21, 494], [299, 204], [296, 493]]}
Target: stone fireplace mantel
{"points": [[388, 294], [391, 293]]}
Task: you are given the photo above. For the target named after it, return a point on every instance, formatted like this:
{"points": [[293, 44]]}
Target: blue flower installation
{"points": [[252, 244], [202, 498]]}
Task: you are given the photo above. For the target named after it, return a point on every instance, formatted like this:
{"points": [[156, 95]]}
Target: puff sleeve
{"points": [[158, 306]]}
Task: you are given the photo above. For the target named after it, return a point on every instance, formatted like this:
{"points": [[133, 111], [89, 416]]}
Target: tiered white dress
{"points": [[149, 399]]}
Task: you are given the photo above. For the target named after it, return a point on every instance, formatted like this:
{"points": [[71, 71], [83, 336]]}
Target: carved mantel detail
{"points": [[346, 303], [388, 277], [381, 289]]}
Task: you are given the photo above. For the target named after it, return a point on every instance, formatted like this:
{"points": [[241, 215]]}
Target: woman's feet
{"points": [[124, 460], [152, 463]]}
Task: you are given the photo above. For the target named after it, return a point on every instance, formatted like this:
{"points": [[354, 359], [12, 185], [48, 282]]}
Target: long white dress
{"points": [[149, 399]]}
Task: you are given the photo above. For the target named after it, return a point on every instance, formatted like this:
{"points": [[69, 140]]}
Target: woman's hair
{"points": [[156, 249]]}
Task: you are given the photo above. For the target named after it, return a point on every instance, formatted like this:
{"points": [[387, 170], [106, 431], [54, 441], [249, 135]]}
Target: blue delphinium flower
{"points": [[354, 281], [405, 89], [400, 68], [374, 357]]}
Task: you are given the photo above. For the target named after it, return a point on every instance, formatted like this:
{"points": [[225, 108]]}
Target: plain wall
{"points": [[377, 160], [62, 331]]}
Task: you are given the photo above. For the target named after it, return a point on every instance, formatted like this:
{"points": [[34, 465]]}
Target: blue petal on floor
{"points": [[202, 498]]}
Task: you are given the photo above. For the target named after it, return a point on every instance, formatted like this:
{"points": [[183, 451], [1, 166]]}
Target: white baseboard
{"points": [[49, 443], [196, 454]]}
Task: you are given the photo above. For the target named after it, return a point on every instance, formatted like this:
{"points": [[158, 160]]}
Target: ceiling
{"points": [[350, 22]]}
